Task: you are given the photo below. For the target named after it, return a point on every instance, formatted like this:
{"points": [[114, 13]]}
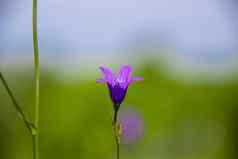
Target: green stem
{"points": [[32, 127], [37, 79], [118, 148], [116, 128], [35, 146], [20, 111]]}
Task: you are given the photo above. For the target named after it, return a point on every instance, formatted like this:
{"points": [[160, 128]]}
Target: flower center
{"points": [[120, 80]]}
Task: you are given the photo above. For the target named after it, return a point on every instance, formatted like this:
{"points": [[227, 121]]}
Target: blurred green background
{"points": [[182, 119]]}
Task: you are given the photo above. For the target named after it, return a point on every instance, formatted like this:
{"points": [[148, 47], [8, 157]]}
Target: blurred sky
{"points": [[202, 31]]}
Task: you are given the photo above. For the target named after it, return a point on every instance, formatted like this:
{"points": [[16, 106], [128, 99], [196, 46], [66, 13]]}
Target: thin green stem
{"points": [[116, 128], [32, 127], [116, 141], [37, 79], [118, 148], [34, 146], [18, 108], [115, 117]]}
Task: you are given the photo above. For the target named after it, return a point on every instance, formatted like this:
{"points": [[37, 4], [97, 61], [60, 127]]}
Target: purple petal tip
{"points": [[100, 81]]}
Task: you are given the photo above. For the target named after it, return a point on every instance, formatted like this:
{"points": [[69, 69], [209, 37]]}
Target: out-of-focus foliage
{"points": [[182, 120]]}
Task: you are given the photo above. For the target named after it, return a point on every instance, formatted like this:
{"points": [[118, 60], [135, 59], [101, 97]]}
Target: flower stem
{"points": [[37, 79], [30, 126], [116, 128]]}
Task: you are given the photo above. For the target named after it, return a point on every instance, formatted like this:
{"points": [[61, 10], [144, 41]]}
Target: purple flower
{"points": [[118, 83]]}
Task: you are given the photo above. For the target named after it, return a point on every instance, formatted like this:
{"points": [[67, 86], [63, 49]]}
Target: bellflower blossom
{"points": [[118, 83]]}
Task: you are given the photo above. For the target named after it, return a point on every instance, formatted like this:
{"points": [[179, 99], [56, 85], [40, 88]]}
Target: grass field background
{"points": [[181, 119]]}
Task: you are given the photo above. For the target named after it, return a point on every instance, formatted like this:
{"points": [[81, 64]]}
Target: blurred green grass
{"points": [[182, 120]]}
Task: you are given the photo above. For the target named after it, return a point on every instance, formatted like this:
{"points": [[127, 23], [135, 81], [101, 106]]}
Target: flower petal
{"points": [[107, 73], [101, 81], [124, 74], [137, 78], [133, 79]]}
